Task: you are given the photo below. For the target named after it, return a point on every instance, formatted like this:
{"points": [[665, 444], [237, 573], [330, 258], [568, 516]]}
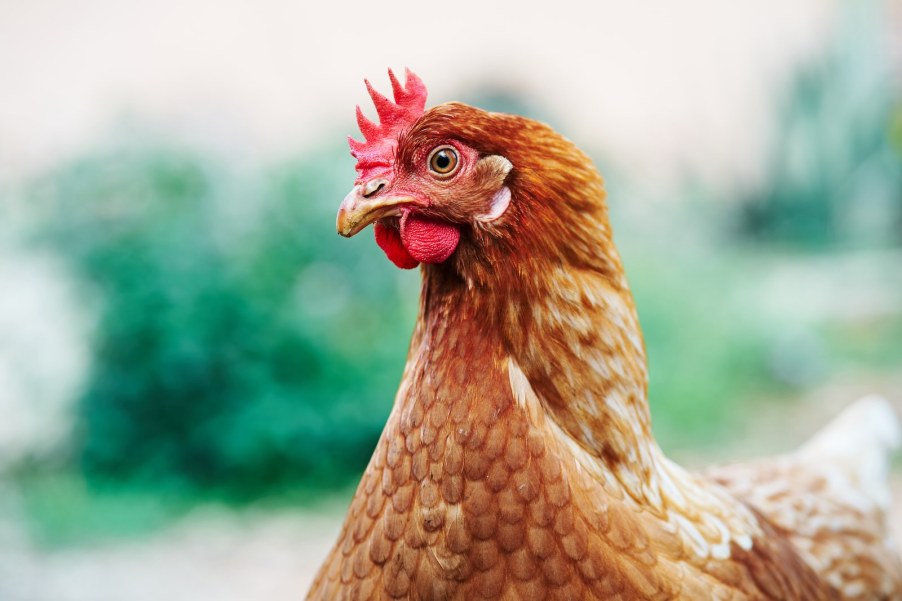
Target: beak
{"points": [[357, 211]]}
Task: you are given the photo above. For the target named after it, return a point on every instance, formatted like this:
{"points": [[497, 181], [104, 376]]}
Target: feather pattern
{"points": [[518, 461]]}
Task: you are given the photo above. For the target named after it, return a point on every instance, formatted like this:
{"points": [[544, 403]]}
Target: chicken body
{"points": [[518, 460]]}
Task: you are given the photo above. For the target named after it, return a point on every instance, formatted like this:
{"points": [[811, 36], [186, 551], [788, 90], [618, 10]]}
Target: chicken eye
{"points": [[443, 161]]}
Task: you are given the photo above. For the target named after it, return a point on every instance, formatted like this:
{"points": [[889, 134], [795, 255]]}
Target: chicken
{"points": [[518, 461]]}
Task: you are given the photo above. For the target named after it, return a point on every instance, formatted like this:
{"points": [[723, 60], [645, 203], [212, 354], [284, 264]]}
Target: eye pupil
{"points": [[443, 161]]}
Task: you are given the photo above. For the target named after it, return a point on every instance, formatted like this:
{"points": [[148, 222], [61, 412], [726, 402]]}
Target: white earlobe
{"points": [[500, 202]]}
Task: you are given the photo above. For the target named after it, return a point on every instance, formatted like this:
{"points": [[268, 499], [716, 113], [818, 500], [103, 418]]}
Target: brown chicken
{"points": [[518, 461]]}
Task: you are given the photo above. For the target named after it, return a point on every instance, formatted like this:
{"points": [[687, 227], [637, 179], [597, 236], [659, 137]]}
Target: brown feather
{"points": [[518, 460]]}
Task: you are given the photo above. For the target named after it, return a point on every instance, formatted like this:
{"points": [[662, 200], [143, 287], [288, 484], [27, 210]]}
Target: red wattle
{"points": [[428, 240], [389, 240]]}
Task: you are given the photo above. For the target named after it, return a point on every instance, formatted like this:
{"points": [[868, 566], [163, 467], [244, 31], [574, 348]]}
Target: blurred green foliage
{"points": [[240, 345], [708, 349], [834, 175]]}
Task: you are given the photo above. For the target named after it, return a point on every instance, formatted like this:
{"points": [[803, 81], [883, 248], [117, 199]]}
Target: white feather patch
{"points": [[500, 202], [675, 494], [858, 443]]}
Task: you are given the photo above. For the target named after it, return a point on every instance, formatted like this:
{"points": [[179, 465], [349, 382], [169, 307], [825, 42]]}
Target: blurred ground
{"points": [[208, 555]]}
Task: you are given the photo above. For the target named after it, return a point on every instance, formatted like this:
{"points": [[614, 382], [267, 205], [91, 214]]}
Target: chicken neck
{"points": [[558, 358], [567, 339]]}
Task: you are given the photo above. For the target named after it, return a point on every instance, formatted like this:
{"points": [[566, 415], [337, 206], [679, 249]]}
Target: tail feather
{"points": [[860, 441]]}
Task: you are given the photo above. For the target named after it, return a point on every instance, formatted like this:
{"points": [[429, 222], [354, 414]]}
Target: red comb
{"points": [[376, 154]]}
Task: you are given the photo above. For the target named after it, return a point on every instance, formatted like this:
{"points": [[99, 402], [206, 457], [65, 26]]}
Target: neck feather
{"points": [[541, 322], [569, 369], [574, 336]]}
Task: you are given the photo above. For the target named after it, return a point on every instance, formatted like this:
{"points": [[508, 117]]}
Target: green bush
{"points": [[241, 345]]}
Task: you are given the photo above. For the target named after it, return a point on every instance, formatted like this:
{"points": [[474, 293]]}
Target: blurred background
{"points": [[194, 368]]}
